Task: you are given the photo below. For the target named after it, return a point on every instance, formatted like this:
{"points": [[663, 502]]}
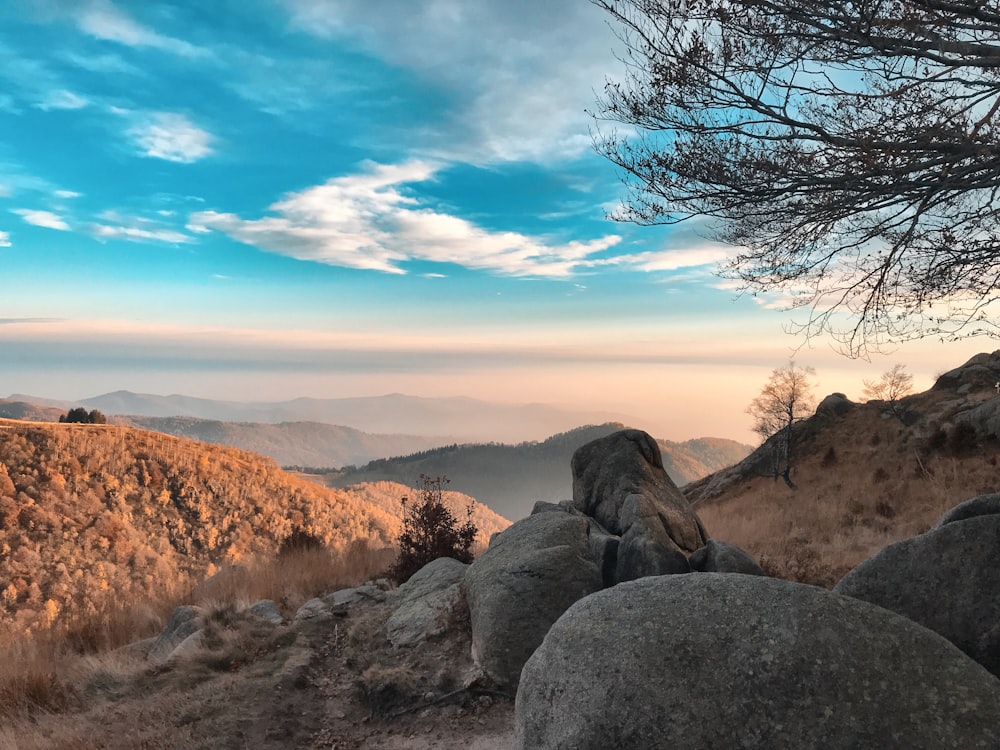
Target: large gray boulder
{"points": [[983, 505], [722, 557], [619, 481], [947, 580], [426, 602], [183, 622], [735, 661], [530, 574]]}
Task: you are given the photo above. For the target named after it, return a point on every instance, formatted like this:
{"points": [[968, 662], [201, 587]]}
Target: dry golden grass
{"points": [[860, 485], [49, 679]]}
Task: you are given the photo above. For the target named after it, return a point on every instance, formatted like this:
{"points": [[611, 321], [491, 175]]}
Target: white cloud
{"points": [[707, 254], [522, 72], [170, 136], [139, 234], [62, 99], [4, 239], [66, 194], [367, 221], [45, 219], [101, 19]]}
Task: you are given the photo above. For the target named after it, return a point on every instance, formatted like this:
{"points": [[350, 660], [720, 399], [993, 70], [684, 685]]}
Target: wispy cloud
{"points": [[521, 90], [139, 234], [708, 254], [67, 194], [103, 63], [169, 136], [45, 219], [4, 239], [62, 99], [368, 221], [103, 20]]}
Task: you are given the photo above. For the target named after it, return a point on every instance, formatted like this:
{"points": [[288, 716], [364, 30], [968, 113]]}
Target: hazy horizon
{"points": [[334, 198]]}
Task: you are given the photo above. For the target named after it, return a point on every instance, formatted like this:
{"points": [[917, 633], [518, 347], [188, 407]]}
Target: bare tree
{"points": [[891, 387], [850, 150], [785, 399]]}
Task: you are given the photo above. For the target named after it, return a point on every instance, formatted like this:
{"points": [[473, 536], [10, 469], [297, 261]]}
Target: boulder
{"points": [[182, 623], [314, 609], [834, 405], [720, 557], [267, 610], [734, 661], [530, 574], [983, 505], [619, 481], [946, 579], [366, 593], [426, 602], [646, 548]]}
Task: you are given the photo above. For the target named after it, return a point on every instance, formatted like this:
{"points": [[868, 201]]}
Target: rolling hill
{"points": [[865, 475], [86, 510], [510, 478], [301, 444]]}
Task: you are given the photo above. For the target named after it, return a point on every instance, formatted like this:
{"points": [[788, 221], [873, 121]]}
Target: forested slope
{"points": [[87, 509]]}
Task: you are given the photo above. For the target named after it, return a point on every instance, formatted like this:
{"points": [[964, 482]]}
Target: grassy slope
{"points": [[863, 481]]}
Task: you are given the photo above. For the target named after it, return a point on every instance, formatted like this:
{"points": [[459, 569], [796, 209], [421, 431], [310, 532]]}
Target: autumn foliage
{"points": [[88, 512]]}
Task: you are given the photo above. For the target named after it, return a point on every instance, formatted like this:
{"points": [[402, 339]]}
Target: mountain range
{"points": [[454, 420], [511, 478]]}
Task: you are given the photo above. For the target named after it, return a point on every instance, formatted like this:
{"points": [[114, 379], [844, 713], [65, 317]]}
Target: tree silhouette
{"points": [[891, 387], [850, 151], [431, 531], [784, 400]]}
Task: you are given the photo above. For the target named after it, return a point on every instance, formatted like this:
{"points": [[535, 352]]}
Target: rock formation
{"points": [[729, 660], [946, 579]]}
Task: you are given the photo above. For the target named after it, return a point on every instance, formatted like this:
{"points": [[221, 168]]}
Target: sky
{"points": [[266, 199]]}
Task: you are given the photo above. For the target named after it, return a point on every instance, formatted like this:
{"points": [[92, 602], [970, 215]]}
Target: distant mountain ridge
{"points": [[511, 478], [299, 444], [463, 419]]}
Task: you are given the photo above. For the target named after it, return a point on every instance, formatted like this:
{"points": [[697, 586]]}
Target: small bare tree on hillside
{"points": [[785, 399], [891, 387]]}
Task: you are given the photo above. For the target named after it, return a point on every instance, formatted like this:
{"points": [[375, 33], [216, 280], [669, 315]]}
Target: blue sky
{"points": [[264, 199]]}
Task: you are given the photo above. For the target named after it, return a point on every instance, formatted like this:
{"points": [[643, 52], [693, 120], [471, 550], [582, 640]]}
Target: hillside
{"points": [[463, 419], [864, 477], [87, 509], [290, 443], [510, 478], [32, 412]]}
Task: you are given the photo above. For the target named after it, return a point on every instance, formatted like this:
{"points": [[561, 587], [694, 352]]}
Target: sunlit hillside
{"points": [[863, 479], [87, 510]]}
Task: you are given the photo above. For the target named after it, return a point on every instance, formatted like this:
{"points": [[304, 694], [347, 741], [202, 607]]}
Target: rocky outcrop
{"points": [[947, 580], [834, 405], [619, 481], [427, 601], [983, 505], [528, 577], [183, 622], [721, 557], [720, 661]]}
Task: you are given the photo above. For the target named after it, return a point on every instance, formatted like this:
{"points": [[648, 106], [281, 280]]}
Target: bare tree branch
{"points": [[851, 150]]}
